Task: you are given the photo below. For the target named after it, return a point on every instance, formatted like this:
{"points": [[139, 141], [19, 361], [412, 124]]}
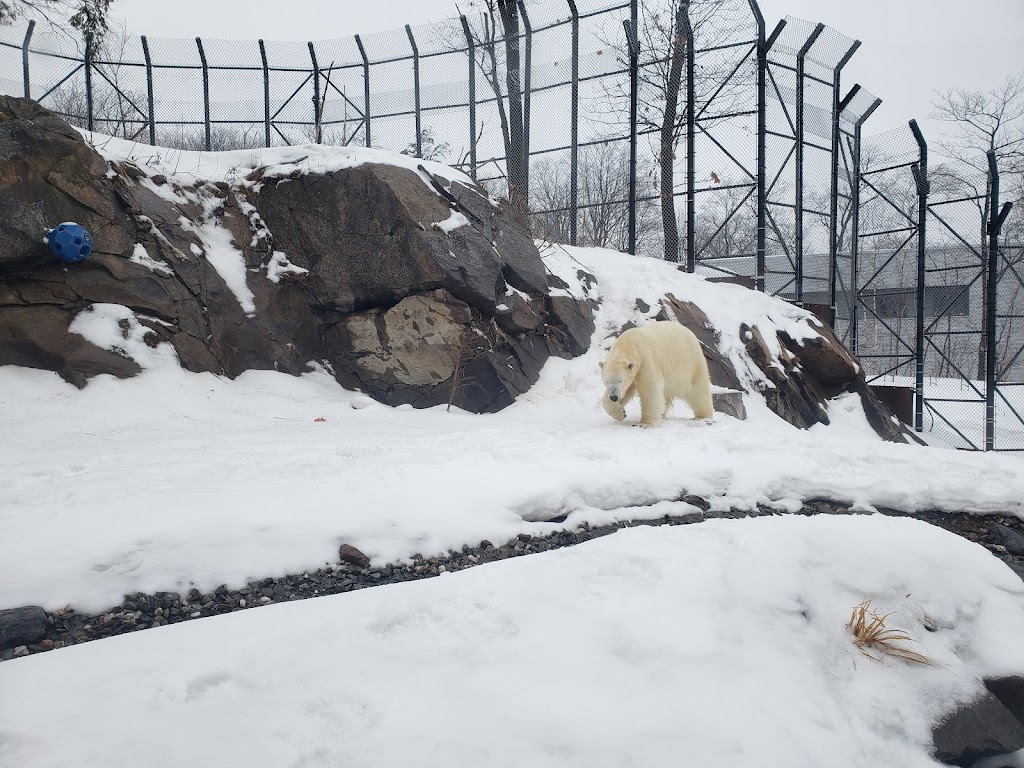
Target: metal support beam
{"points": [[837, 109], [633, 41], [527, 69], [24, 58], [151, 104], [317, 131], [87, 61], [798, 245], [416, 90], [574, 139], [366, 88], [266, 94], [471, 56], [995, 225], [691, 142], [206, 92], [920, 171]]}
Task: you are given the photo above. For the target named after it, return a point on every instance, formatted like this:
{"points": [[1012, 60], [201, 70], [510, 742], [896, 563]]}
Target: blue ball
{"points": [[70, 242]]}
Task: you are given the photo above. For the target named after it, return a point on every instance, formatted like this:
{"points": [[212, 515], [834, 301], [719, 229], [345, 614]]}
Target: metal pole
{"points": [[149, 91], [574, 140], [855, 226], [471, 54], [995, 224], [527, 67], [920, 171], [206, 92], [266, 94], [88, 84], [762, 66], [416, 90], [633, 41], [798, 246], [833, 249], [366, 88], [24, 57], [691, 143], [317, 133]]}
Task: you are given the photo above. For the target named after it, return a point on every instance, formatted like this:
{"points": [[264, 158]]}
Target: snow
{"points": [[717, 644], [174, 479], [191, 167], [279, 267], [721, 643], [141, 256]]}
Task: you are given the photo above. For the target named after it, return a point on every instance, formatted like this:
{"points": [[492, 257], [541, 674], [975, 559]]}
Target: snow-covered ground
{"points": [[720, 644], [173, 479], [715, 644]]}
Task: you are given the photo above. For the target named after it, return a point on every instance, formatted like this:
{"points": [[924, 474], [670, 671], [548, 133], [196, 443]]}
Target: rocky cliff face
{"points": [[410, 284]]}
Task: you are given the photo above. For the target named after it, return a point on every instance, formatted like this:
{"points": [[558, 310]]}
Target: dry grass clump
{"points": [[870, 632]]}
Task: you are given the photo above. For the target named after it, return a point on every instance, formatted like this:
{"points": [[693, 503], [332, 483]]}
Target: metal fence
{"points": [[682, 129]]}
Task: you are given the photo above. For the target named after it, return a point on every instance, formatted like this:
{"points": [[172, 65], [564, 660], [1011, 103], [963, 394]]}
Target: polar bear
{"points": [[659, 362]]}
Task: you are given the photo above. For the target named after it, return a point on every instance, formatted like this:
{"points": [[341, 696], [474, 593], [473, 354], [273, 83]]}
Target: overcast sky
{"points": [[910, 47]]}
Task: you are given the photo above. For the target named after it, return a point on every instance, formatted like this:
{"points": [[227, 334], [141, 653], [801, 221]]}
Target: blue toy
{"points": [[70, 242]]}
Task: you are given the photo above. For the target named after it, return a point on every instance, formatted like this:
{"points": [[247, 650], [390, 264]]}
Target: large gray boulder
{"points": [[411, 286]]}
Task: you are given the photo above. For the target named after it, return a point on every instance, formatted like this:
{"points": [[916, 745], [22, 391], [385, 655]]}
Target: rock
{"points": [[349, 554], [21, 650], [1010, 692], [1010, 539], [981, 728], [720, 369], [730, 403], [22, 626], [361, 276], [46, 644]]}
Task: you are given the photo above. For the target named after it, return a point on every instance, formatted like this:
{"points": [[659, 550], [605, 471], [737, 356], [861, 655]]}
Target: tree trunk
{"points": [[668, 138], [516, 159]]}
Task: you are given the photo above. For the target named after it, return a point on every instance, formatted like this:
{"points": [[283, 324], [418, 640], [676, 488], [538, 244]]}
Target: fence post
{"points": [[87, 62], [574, 128], [833, 243], [691, 143], [471, 54], [527, 68], [855, 225], [416, 90], [24, 57], [995, 225], [762, 66], [366, 88], [317, 133], [633, 40], [149, 90], [920, 172], [206, 92], [266, 94], [798, 245]]}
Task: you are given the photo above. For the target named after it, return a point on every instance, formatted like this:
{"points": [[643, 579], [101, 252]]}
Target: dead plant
{"points": [[871, 632]]}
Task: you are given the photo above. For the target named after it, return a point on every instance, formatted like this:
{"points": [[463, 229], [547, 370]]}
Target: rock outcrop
{"points": [[412, 286], [799, 379]]}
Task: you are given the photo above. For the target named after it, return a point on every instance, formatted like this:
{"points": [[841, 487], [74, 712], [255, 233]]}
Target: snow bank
{"points": [[172, 480], [718, 644]]}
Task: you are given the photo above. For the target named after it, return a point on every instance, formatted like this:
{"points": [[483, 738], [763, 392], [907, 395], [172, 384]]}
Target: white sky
{"points": [[910, 47]]}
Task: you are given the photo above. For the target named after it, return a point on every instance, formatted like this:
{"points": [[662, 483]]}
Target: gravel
{"points": [[140, 611]]}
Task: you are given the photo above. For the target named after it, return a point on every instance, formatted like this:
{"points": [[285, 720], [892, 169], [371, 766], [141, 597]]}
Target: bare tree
{"points": [[87, 16], [603, 201], [498, 56], [980, 122]]}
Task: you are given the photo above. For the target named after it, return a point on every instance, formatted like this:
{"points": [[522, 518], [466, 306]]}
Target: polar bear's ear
{"points": [[631, 366]]}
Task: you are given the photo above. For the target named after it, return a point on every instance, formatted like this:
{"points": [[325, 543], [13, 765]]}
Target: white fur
{"points": [[658, 362]]}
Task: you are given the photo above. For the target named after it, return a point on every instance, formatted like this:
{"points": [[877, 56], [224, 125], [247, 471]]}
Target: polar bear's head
{"points": [[618, 373]]}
